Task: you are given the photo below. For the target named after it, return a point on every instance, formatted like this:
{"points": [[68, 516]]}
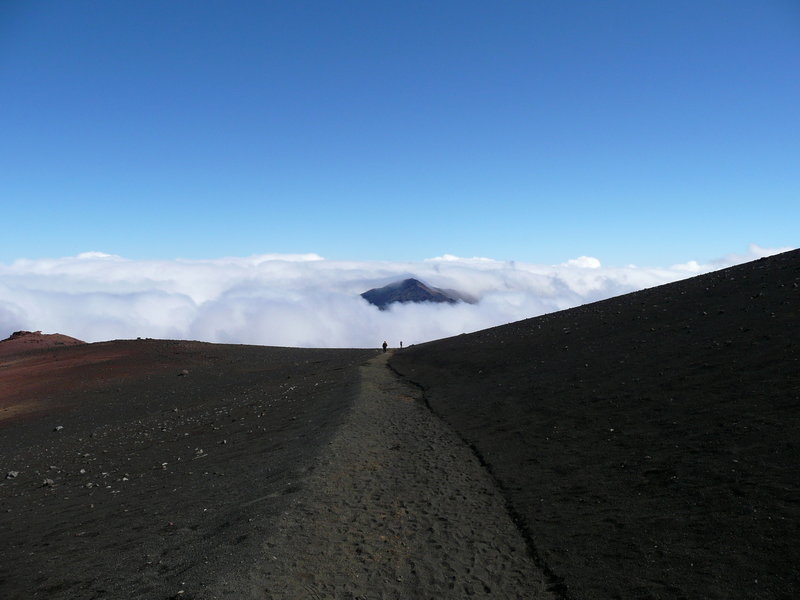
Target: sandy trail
{"points": [[398, 508]]}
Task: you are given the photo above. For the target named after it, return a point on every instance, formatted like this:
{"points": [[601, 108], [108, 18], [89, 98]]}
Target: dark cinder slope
{"points": [[156, 469], [648, 444]]}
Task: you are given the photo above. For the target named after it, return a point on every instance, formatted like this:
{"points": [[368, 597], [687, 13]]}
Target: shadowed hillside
{"points": [[647, 444]]}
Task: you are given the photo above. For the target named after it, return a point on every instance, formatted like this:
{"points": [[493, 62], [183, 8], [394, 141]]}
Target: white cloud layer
{"points": [[301, 300]]}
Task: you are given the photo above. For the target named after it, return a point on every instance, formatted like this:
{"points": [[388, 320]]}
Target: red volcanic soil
{"points": [[648, 445], [42, 373], [26, 373], [138, 469], [21, 341]]}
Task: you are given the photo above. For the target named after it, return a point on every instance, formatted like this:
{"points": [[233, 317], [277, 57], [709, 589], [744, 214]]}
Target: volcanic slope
{"points": [[156, 469], [22, 341], [647, 445]]}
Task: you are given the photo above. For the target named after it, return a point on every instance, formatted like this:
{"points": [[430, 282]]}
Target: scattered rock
{"points": [[12, 474], [58, 428]]}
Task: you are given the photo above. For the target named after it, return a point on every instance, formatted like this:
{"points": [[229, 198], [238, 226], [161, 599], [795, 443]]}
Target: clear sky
{"points": [[633, 131]]}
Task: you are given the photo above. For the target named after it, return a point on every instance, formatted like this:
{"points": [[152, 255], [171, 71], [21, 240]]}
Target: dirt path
{"points": [[399, 508]]}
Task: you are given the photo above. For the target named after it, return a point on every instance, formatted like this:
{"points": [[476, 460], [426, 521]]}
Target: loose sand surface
{"points": [[398, 508], [154, 469]]}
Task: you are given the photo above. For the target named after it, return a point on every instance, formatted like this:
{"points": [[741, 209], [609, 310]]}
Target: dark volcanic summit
{"points": [[408, 290], [647, 444]]}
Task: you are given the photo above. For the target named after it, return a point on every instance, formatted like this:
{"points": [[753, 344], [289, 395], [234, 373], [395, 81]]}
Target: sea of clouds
{"points": [[302, 300]]}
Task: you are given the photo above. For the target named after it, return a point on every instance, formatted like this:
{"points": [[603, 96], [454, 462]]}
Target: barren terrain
{"points": [[641, 447]]}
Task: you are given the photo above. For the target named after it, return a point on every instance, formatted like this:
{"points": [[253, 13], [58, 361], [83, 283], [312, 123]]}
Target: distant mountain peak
{"points": [[410, 290]]}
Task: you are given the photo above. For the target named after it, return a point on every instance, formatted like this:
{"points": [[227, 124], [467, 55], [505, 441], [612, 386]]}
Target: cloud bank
{"points": [[301, 300]]}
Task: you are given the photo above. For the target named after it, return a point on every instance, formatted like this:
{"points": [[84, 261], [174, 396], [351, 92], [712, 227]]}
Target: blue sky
{"points": [[632, 131]]}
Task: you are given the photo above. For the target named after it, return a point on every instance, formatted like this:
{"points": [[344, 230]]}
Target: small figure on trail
{"points": [[385, 345], [401, 344]]}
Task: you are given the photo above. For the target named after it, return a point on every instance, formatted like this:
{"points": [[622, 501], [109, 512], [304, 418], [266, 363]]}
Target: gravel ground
{"points": [[398, 508], [153, 469]]}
